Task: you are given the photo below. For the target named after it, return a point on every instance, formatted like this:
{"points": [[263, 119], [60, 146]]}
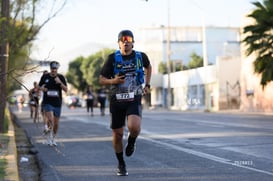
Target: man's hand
{"points": [[57, 80], [146, 90], [43, 88], [119, 79]]}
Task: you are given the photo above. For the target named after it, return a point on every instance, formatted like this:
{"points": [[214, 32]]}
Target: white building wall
{"points": [[197, 88], [229, 71], [189, 87], [206, 87]]}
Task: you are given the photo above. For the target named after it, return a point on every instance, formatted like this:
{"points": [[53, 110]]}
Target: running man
{"points": [[90, 99], [123, 70], [102, 95], [34, 95], [43, 112], [52, 85]]}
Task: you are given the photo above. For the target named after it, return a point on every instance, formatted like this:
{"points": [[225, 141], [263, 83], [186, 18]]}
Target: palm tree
{"points": [[259, 40]]}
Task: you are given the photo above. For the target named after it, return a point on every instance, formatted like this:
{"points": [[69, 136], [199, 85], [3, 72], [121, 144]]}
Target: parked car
{"points": [[72, 101], [82, 102]]}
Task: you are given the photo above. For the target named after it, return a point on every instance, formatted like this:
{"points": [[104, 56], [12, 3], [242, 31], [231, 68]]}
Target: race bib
{"points": [[90, 97], [125, 96], [102, 95], [52, 93], [32, 103]]}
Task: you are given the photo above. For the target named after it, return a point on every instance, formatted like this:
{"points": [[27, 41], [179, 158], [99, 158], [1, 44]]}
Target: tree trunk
{"points": [[4, 52]]}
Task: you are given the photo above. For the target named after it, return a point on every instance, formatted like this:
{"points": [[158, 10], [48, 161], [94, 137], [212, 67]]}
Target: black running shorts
{"points": [[120, 110]]}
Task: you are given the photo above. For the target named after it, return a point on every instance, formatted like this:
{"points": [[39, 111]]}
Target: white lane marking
{"points": [[211, 125]]}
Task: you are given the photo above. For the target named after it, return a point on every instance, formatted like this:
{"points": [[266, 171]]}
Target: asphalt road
{"points": [[173, 146]]}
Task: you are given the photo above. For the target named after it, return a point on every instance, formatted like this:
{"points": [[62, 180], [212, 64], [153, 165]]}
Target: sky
{"points": [[84, 27]]}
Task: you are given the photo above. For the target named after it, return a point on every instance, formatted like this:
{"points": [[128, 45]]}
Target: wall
{"points": [[229, 71], [253, 97]]}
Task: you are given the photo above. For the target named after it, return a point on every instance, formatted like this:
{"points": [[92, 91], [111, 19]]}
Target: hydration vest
{"points": [[118, 66]]}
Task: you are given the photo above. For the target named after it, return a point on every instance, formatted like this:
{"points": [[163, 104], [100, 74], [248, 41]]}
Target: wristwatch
{"points": [[148, 85]]}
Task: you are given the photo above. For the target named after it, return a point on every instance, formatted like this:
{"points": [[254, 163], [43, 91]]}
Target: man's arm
{"points": [[116, 80], [148, 74]]}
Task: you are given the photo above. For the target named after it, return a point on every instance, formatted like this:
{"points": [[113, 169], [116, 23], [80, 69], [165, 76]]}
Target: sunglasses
{"points": [[126, 38]]}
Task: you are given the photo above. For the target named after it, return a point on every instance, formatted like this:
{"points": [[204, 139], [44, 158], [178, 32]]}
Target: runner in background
{"points": [[90, 100], [52, 84], [20, 102], [102, 99], [43, 112], [34, 95]]}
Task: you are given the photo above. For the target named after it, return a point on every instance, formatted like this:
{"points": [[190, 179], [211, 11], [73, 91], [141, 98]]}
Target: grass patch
{"points": [[3, 163], [4, 140], [6, 124], [6, 120]]}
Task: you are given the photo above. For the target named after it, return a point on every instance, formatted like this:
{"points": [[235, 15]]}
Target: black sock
{"points": [[131, 140], [120, 158]]}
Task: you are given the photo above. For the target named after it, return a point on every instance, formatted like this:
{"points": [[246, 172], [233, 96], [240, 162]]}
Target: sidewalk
{"points": [[9, 153]]}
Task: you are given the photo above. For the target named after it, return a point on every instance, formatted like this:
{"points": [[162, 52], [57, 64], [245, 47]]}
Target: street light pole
{"points": [[205, 62], [169, 59], [204, 42], [168, 104], [205, 55]]}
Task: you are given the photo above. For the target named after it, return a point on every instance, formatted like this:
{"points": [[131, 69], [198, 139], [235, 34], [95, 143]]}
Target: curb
{"points": [[11, 157]]}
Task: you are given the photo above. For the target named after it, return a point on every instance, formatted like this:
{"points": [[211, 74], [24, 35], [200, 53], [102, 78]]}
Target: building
{"points": [[254, 98], [212, 87]]}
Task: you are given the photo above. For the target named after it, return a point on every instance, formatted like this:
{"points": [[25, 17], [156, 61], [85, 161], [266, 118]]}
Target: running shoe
{"points": [[122, 170], [54, 142], [130, 149], [46, 130], [49, 141], [50, 138]]}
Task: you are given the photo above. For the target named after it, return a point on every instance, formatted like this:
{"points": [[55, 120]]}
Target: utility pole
{"points": [[205, 63], [4, 57], [169, 96]]}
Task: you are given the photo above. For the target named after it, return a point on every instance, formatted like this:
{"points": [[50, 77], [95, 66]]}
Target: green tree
{"points": [[259, 40], [91, 67], [196, 61], [162, 68], [178, 66], [18, 30], [74, 75], [175, 66], [84, 71], [22, 31]]}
